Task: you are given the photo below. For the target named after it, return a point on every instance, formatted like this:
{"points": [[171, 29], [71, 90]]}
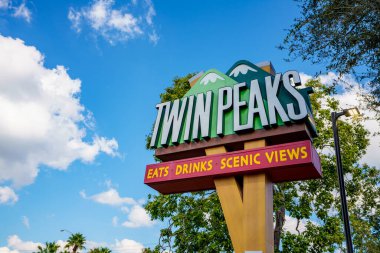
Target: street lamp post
{"points": [[334, 117], [67, 231]]}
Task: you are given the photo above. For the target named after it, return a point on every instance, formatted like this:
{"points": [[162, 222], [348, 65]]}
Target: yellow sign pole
{"points": [[247, 208]]}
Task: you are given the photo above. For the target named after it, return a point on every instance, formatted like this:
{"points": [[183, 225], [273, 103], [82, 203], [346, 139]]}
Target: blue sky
{"points": [[116, 57]]}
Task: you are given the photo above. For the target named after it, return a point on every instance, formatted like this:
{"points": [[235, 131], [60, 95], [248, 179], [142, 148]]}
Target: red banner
{"points": [[286, 162]]}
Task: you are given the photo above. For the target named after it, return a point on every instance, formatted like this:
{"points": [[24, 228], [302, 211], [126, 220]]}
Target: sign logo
{"points": [[243, 100]]}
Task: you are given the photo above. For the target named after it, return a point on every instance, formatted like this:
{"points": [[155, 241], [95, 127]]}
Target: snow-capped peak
{"points": [[210, 77], [241, 69]]}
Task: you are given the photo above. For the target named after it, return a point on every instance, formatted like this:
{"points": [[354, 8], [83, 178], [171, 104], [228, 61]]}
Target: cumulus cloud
{"points": [[7, 250], [138, 217], [115, 23], [348, 97], [109, 197], [127, 246], [119, 246], [16, 245], [91, 244], [136, 214], [19, 11], [7, 195], [42, 119]]}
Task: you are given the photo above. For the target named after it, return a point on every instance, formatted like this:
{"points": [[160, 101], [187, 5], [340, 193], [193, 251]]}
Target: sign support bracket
{"points": [[247, 208]]}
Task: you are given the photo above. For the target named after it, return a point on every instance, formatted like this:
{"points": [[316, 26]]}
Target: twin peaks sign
{"points": [[244, 104], [238, 133]]}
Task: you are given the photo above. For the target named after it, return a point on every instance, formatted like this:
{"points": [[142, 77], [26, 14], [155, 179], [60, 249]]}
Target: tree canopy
{"points": [[344, 35], [195, 221]]}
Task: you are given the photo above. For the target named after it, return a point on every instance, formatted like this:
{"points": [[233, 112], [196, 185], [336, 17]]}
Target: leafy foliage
{"points": [[50, 247], [342, 34], [76, 242], [178, 90], [100, 250], [195, 221]]}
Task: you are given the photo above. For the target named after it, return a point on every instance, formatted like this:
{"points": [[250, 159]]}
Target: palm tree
{"points": [[76, 241], [100, 250], [50, 247]]}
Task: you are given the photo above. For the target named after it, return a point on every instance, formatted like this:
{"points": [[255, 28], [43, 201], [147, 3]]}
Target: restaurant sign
{"points": [[238, 133]]}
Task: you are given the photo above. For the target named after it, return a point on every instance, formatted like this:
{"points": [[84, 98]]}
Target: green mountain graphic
{"points": [[244, 72], [211, 80]]}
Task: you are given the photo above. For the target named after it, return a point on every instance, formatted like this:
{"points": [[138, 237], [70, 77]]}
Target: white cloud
{"points": [[25, 221], [138, 217], [7, 195], [119, 246], [42, 119], [75, 18], [150, 13], [154, 38], [115, 221], [124, 209], [108, 183], [115, 24], [124, 22], [97, 13], [15, 243], [109, 197], [7, 250], [83, 194], [20, 11], [91, 244], [127, 246], [350, 99], [349, 96], [4, 4], [304, 78]]}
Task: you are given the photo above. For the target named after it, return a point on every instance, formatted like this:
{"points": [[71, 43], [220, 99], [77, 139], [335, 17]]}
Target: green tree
{"points": [[100, 250], [345, 35], [76, 242], [195, 221], [50, 247]]}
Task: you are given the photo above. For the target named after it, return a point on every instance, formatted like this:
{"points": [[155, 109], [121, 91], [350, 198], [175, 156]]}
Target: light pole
{"points": [[67, 231], [334, 117]]}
